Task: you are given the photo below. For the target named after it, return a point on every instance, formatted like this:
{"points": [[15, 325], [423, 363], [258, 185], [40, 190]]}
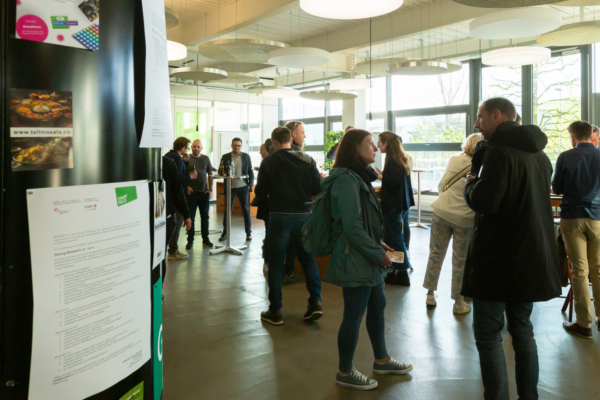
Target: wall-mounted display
{"points": [[72, 23], [41, 129]]}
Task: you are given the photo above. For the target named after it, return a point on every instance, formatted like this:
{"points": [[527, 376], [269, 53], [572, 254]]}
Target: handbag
{"points": [[457, 177]]}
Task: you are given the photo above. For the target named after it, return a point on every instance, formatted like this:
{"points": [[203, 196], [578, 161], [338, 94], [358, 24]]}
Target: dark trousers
{"points": [[283, 229], [242, 194], [200, 201], [356, 301], [265, 247], [290, 259], [488, 320], [392, 224], [171, 223], [406, 223]]}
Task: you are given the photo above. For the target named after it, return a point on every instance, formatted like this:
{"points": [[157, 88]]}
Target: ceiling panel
{"points": [[191, 10]]}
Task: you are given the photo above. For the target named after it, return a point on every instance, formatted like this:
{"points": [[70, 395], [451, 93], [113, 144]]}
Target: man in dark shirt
{"points": [[179, 155], [288, 180], [577, 178], [198, 193]]}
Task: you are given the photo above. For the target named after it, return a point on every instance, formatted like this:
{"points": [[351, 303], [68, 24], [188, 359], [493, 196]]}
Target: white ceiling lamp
{"points": [[240, 50], [171, 19], [281, 93], [239, 78], [418, 67], [505, 3], [328, 95], [577, 34], [378, 66], [516, 23], [298, 57], [176, 51], [199, 74], [452, 66], [349, 9], [514, 56], [350, 84], [260, 87]]}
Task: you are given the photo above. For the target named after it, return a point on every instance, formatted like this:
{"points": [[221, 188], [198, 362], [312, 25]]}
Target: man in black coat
{"points": [[512, 260]]}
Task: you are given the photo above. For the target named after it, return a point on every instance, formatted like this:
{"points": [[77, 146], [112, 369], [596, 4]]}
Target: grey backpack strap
{"points": [[457, 177]]}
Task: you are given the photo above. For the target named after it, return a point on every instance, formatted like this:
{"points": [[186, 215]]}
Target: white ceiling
{"points": [[190, 10]]}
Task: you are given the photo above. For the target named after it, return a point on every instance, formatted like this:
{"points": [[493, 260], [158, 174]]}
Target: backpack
{"points": [[319, 233]]}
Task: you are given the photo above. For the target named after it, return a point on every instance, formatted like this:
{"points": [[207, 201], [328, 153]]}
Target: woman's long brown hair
{"points": [[394, 150], [347, 153]]}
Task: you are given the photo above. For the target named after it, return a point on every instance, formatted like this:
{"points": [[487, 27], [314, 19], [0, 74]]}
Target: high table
{"points": [[419, 224], [227, 248]]}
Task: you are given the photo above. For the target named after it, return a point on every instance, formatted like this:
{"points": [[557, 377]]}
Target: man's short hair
{"points": [[237, 139], [348, 128], [581, 130], [281, 135], [595, 129], [180, 143], [505, 106], [293, 125]]}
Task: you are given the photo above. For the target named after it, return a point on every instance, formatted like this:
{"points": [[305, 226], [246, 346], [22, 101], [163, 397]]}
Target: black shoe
{"points": [[289, 279], [314, 312], [206, 242], [578, 330], [248, 237], [223, 237], [399, 278], [272, 318], [189, 245]]}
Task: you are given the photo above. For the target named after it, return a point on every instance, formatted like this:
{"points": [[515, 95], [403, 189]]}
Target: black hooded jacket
{"points": [[512, 255]]}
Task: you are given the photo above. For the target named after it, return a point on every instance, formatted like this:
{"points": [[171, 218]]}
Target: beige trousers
{"points": [[582, 241]]}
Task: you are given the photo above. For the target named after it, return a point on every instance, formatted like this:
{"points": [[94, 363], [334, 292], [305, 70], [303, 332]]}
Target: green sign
{"points": [[137, 393], [125, 195], [157, 339]]}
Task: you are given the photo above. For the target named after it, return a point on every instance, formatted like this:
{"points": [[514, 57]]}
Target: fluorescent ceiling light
{"points": [[299, 57], [281, 93], [349, 9], [516, 23], [350, 84], [176, 51], [513, 56]]}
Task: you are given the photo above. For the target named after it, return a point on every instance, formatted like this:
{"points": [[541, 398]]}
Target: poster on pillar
{"points": [[159, 207], [71, 23], [90, 252], [157, 339], [156, 131]]}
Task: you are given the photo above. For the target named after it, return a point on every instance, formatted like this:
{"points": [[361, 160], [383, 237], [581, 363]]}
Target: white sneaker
{"points": [[431, 300], [462, 309]]}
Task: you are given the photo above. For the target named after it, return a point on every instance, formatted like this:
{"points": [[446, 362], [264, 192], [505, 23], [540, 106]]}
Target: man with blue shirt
{"points": [[577, 178]]}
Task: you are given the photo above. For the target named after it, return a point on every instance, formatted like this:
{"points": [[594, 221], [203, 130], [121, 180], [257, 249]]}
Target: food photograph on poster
{"points": [[41, 129]]}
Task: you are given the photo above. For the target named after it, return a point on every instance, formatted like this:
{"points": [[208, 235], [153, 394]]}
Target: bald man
{"points": [[198, 193]]}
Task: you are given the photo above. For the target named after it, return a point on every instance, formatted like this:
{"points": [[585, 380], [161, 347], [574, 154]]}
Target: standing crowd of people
{"points": [[494, 203]]}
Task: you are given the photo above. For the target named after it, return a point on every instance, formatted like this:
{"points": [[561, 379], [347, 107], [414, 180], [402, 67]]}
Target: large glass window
{"points": [[504, 82], [192, 120], [435, 162], [410, 92], [336, 107], [376, 125], [376, 96], [298, 108], [255, 132], [231, 117], [315, 134], [449, 128], [557, 100], [337, 126]]}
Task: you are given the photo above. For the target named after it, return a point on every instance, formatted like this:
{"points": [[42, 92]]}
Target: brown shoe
{"points": [[578, 330]]}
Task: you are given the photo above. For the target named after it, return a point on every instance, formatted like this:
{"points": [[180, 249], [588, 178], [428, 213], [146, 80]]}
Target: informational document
{"points": [[71, 23], [160, 222], [90, 252], [157, 119]]}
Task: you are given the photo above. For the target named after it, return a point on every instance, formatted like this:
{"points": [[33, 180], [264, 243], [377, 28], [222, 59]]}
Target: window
{"points": [[232, 117], [376, 96], [410, 92], [376, 125], [255, 132], [337, 126], [557, 100], [192, 120], [504, 82], [434, 161], [449, 128], [315, 134], [298, 108], [336, 107]]}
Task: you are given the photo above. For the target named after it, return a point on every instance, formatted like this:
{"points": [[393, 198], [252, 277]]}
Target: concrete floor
{"points": [[216, 347]]}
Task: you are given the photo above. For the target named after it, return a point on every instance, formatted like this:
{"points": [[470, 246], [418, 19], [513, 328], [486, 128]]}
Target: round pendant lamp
{"points": [[513, 56], [298, 57], [418, 67], [579, 33], [281, 93], [240, 50], [453, 66], [579, 3], [350, 84], [176, 51], [516, 23], [376, 67], [259, 88], [171, 18], [505, 3], [328, 95], [349, 9], [239, 77], [199, 74]]}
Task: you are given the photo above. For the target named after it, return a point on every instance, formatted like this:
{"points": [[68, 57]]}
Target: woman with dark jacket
{"points": [[396, 200], [357, 257]]}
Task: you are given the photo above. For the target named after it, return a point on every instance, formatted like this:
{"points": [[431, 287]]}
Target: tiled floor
{"points": [[216, 347]]}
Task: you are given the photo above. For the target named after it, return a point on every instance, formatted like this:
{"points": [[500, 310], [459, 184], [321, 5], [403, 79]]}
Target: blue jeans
{"points": [[242, 194], [173, 246], [392, 223], [405, 220], [200, 201], [488, 319], [290, 259], [283, 229], [356, 300]]}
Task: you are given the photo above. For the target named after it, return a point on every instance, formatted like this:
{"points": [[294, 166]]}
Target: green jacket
{"points": [[358, 225]]}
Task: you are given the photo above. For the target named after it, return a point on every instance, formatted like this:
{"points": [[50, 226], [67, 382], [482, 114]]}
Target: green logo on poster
{"points": [[137, 393], [126, 195]]}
